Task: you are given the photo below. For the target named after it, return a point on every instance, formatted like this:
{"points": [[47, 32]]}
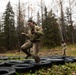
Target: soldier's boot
{"points": [[26, 52], [27, 57], [36, 58]]}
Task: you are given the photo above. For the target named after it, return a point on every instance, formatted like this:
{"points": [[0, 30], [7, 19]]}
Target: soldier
{"points": [[63, 48], [34, 37]]}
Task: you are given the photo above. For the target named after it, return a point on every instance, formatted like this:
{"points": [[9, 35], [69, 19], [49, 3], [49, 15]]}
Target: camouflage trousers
{"points": [[35, 47]]}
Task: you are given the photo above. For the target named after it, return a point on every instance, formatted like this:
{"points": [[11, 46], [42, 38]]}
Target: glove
{"points": [[23, 33], [32, 32]]}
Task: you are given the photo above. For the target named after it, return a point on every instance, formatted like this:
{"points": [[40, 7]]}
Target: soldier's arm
{"points": [[39, 31], [26, 35]]}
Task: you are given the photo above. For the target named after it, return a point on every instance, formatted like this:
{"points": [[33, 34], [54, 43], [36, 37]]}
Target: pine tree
{"points": [[9, 28], [51, 30]]}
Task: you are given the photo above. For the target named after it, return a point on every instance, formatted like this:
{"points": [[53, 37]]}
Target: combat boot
{"points": [[36, 58]]}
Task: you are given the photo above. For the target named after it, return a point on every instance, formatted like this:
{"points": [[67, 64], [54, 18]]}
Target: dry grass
{"points": [[70, 51]]}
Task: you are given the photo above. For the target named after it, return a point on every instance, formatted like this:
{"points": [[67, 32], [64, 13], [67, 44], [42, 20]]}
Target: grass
{"points": [[67, 69], [70, 51]]}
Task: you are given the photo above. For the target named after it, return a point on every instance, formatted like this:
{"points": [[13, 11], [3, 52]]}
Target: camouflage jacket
{"points": [[35, 37]]}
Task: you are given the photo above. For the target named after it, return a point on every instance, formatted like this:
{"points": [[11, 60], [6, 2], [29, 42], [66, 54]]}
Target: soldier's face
{"points": [[30, 24]]}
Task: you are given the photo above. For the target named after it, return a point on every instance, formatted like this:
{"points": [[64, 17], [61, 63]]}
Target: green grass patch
{"points": [[67, 69]]}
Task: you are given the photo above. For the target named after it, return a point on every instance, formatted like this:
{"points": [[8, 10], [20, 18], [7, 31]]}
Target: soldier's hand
{"points": [[32, 32], [23, 33]]}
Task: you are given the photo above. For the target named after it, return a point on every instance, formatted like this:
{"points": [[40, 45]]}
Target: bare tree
{"points": [[20, 23], [41, 5]]}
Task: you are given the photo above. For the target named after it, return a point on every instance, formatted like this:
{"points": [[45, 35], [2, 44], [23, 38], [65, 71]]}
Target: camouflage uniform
{"points": [[34, 40], [64, 48]]}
